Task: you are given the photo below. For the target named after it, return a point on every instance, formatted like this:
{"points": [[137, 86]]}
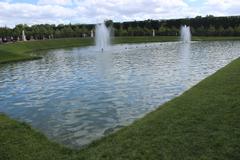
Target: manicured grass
{"points": [[201, 124], [27, 50], [19, 142], [119, 40], [146, 39], [215, 38], [6, 57]]}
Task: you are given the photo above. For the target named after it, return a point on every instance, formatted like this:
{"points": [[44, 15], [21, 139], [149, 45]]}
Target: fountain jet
{"points": [[102, 37], [23, 36], [185, 34]]}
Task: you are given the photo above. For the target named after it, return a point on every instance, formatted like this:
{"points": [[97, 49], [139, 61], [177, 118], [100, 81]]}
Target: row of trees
{"points": [[173, 31], [200, 26], [46, 31]]}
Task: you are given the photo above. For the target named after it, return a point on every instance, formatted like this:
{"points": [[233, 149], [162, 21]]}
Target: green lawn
{"points": [[215, 38], [141, 39], [201, 124], [25, 50]]}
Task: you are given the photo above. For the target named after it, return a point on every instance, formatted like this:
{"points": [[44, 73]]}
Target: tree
{"points": [[237, 30], [109, 23], [230, 31], [200, 26], [220, 31], [211, 30], [200, 31], [58, 33], [130, 31], [174, 31], [162, 30]]}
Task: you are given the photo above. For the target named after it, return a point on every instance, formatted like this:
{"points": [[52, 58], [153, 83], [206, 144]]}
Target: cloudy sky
{"points": [[93, 11]]}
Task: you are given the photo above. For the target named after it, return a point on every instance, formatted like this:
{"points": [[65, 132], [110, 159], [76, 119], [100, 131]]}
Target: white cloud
{"points": [[16, 13], [55, 2], [133, 10], [223, 4], [223, 7], [94, 11]]}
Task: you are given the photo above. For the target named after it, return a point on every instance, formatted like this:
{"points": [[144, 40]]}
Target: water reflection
{"points": [[185, 51], [75, 96]]}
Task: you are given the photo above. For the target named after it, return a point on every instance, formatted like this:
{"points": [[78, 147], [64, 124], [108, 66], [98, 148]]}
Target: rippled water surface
{"points": [[77, 95]]}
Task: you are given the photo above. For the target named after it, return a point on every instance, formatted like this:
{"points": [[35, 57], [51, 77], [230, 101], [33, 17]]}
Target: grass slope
{"points": [[24, 50], [142, 39], [203, 38], [201, 124]]}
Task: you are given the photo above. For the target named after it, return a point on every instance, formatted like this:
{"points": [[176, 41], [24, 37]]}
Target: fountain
{"points": [[23, 36], [185, 34], [185, 50], [102, 37]]}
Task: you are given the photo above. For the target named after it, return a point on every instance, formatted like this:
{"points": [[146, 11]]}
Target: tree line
{"points": [[200, 26]]}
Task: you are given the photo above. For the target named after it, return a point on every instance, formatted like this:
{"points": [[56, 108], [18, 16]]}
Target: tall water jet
{"points": [[185, 49], [102, 36], [23, 36], [185, 34]]}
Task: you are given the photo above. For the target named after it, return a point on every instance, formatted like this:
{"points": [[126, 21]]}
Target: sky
{"points": [[31, 12]]}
